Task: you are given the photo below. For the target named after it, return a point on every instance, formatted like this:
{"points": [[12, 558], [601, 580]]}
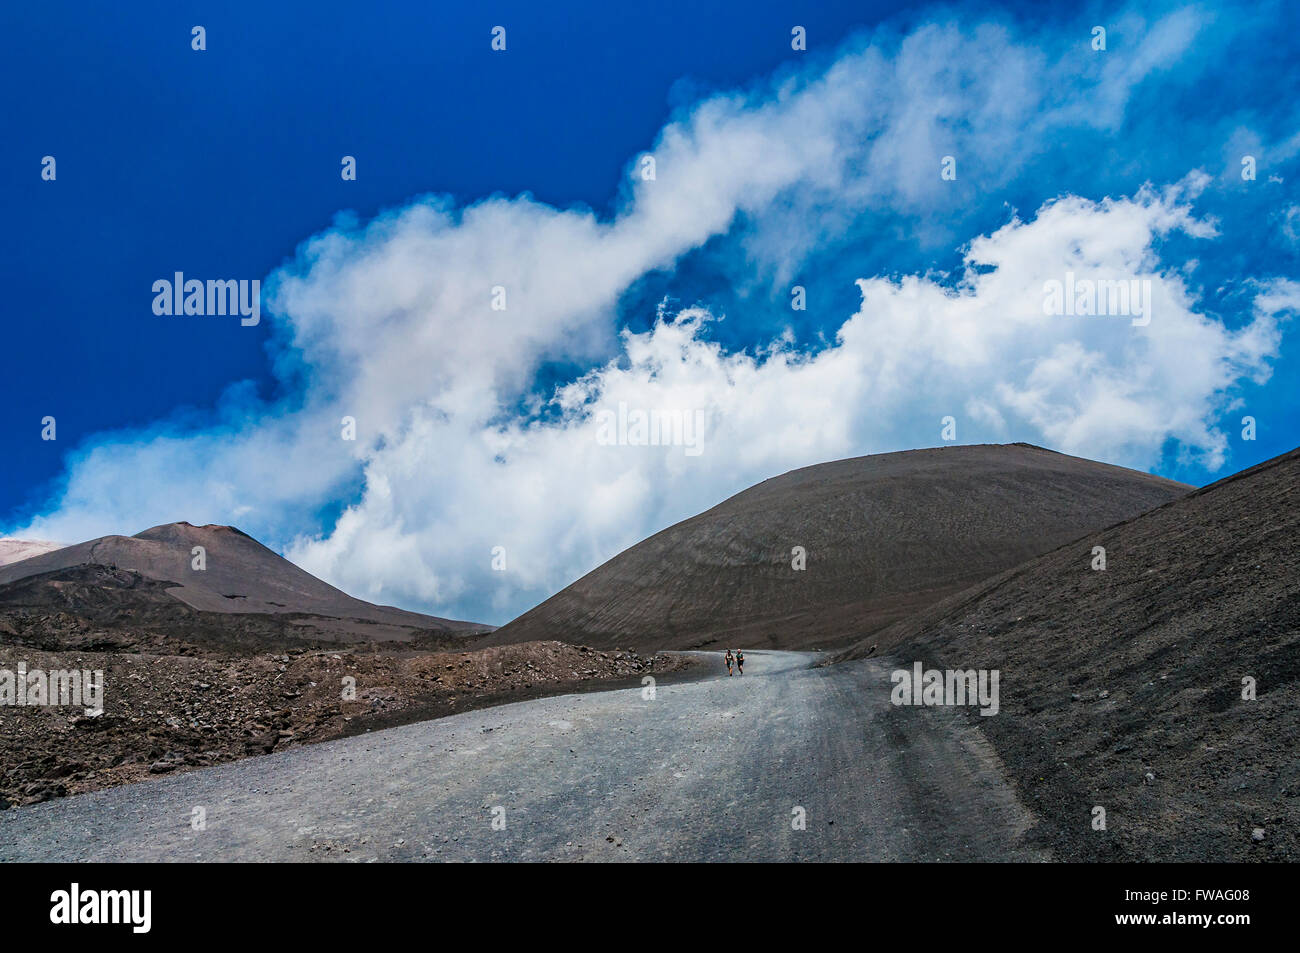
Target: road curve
{"points": [[710, 770]]}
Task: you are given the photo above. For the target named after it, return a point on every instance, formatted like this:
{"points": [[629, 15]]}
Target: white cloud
{"points": [[560, 502]]}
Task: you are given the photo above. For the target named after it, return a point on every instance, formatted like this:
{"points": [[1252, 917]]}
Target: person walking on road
{"points": [[728, 660], [740, 661]]}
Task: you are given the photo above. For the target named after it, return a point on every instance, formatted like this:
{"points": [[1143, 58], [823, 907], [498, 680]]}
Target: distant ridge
{"points": [[885, 536], [242, 576]]}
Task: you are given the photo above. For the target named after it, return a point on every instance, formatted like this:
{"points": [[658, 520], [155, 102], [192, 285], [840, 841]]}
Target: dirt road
{"points": [[717, 769]]}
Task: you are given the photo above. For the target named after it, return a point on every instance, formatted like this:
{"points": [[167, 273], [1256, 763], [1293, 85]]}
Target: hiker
{"points": [[740, 661], [728, 660]]}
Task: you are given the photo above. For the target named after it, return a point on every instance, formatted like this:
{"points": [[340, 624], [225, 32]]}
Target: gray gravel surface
{"points": [[710, 770]]}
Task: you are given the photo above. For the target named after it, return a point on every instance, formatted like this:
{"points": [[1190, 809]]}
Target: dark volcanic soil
{"points": [[1123, 688], [885, 536], [100, 608], [185, 688]]}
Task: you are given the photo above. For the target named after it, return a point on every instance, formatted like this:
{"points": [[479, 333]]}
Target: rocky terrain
{"points": [[164, 713], [1123, 688], [186, 686], [1162, 688], [884, 536]]}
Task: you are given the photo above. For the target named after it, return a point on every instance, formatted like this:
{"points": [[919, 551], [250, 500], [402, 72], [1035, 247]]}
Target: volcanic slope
{"points": [[1127, 688], [13, 550], [241, 576], [884, 536]]}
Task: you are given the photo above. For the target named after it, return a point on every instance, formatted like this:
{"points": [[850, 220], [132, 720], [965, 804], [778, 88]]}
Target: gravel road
{"points": [[710, 770]]}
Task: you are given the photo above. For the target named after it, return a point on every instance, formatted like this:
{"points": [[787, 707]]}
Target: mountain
{"points": [[13, 550], [241, 576], [1124, 688], [884, 535]]}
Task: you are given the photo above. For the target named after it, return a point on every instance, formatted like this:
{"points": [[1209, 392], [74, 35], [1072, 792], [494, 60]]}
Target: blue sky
{"points": [[519, 169]]}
